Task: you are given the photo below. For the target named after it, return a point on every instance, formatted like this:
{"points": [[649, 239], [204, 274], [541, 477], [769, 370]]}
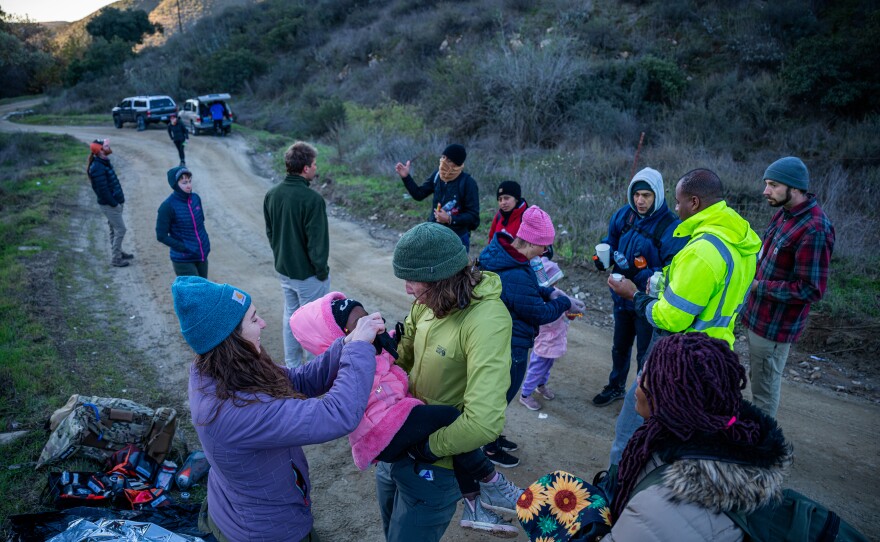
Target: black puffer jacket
{"points": [[105, 183]]}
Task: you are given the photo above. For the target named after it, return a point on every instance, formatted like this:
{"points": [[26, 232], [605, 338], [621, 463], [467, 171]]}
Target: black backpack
{"points": [[796, 519]]}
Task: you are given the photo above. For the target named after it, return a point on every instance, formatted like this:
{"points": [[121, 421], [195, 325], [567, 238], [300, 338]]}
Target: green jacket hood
{"points": [[724, 223], [488, 288]]}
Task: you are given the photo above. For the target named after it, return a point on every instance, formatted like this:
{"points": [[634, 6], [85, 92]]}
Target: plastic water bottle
{"points": [[450, 205], [195, 466], [620, 261], [166, 475], [540, 272]]}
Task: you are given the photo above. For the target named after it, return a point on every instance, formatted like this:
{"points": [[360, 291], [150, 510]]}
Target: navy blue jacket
{"points": [[105, 183], [180, 224], [529, 304], [633, 235], [463, 189]]}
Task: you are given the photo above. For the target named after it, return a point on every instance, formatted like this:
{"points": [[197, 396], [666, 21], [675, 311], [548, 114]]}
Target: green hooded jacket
{"points": [[461, 360], [708, 280]]}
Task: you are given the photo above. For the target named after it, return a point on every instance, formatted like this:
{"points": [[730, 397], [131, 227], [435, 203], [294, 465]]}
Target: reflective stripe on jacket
{"points": [[708, 280]]}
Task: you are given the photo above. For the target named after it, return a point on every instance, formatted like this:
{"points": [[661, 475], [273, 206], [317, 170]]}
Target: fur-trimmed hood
{"points": [[727, 476]]}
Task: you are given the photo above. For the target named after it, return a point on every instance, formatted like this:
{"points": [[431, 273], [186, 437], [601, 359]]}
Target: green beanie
{"points": [[429, 252], [790, 171]]}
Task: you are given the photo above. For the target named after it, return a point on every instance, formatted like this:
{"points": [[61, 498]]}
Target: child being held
{"points": [[395, 423], [550, 345]]}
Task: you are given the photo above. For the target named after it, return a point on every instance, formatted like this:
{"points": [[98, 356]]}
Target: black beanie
{"points": [[455, 153], [641, 185], [342, 310], [509, 188]]}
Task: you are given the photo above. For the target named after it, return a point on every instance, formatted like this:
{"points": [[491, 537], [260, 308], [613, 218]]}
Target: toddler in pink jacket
{"points": [[550, 345], [395, 423]]}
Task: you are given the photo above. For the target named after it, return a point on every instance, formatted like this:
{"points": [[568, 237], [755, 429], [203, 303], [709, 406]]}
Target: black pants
{"points": [[180, 153], [182, 269], [218, 126], [423, 420]]}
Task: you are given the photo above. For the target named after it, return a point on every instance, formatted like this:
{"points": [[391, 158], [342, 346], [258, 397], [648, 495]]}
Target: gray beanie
{"points": [[790, 171], [429, 252], [208, 312]]}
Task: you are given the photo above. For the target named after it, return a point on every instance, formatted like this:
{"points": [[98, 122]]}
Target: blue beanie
{"points": [[208, 312], [789, 171]]}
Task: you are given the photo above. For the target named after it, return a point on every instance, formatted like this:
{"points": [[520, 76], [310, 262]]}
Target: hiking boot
{"points": [[500, 495], [127, 256], [608, 395], [119, 263], [545, 392], [506, 445], [529, 402], [475, 516], [500, 457]]}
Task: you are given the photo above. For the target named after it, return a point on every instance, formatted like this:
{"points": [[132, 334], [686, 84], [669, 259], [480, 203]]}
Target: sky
{"points": [[53, 10]]}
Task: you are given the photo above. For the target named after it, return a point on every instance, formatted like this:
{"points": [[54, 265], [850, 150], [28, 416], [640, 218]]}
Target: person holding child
{"points": [[253, 416], [455, 346], [550, 345], [395, 423], [530, 304]]}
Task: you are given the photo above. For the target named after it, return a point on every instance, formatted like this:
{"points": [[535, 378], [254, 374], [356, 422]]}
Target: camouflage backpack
{"points": [[95, 427]]}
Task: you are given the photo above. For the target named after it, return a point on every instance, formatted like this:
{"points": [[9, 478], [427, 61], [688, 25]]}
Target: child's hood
{"points": [[313, 324], [174, 176]]}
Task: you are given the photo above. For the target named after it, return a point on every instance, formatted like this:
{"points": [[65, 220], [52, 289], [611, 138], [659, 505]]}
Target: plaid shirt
{"points": [[792, 272]]}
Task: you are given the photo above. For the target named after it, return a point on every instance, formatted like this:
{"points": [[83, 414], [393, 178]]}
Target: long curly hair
{"points": [[237, 368], [454, 293], [693, 384]]}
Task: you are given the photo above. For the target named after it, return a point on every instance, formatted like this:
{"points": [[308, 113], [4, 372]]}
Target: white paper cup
{"points": [[603, 251], [617, 276]]}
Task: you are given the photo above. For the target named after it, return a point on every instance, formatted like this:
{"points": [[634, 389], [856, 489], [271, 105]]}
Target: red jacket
{"points": [[509, 224]]}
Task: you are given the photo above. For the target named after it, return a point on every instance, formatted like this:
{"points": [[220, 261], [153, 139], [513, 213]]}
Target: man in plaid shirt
{"points": [[792, 273]]}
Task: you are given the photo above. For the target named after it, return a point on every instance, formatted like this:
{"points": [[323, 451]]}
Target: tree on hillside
{"points": [[26, 61], [129, 26]]}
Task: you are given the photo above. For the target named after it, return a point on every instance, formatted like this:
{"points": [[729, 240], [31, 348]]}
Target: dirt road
{"points": [[836, 437]]}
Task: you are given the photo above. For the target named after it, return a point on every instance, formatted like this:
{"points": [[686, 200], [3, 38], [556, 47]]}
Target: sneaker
{"points": [[127, 256], [506, 445], [119, 263], [501, 458], [500, 495], [475, 516], [529, 402], [608, 396], [546, 392]]}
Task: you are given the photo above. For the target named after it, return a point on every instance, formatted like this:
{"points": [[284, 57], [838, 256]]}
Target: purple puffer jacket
{"points": [[389, 404]]}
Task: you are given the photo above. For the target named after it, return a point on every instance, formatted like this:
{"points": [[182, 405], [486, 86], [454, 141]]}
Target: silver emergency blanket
{"points": [[119, 530]]}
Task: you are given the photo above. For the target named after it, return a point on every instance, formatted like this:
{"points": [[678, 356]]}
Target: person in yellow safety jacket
{"points": [[706, 282]]}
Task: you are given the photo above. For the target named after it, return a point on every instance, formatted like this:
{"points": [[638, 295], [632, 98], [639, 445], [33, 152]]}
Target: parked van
{"points": [[196, 114]]}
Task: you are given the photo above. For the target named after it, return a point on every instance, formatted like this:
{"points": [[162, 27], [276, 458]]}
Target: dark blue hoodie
{"points": [[529, 304], [180, 223]]}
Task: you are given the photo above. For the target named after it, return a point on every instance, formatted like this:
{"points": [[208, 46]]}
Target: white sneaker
{"points": [[476, 517]]}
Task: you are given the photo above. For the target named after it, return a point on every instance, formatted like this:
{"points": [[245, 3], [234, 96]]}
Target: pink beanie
{"points": [[536, 227]]}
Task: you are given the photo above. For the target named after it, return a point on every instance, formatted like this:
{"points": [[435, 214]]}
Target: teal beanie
{"points": [[208, 312], [429, 252], [789, 171]]}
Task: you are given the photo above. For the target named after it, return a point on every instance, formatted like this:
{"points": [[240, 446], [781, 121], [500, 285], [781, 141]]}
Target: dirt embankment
{"points": [[836, 436]]}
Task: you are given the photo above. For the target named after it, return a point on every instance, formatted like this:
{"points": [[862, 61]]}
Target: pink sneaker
{"points": [[546, 392], [530, 402]]}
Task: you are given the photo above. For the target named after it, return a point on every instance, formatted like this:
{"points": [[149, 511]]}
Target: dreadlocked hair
{"points": [[693, 384], [237, 368], [453, 293]]}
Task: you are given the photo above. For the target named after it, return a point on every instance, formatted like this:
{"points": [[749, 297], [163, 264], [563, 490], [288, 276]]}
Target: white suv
{"points": [[196, 114]]}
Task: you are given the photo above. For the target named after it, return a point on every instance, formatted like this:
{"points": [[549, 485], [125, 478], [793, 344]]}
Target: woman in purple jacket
{"points": [[253, 416]]}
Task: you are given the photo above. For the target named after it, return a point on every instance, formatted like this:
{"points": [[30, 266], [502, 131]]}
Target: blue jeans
{"points": [[628, 420], [416, 500], [628, 327], [296, 294]]}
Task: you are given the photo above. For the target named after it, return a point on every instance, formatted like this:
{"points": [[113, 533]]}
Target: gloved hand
{"points": [[398, 332], [384, 341], [421, 452], [577, 305], [556, 293], [598, 263]]}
